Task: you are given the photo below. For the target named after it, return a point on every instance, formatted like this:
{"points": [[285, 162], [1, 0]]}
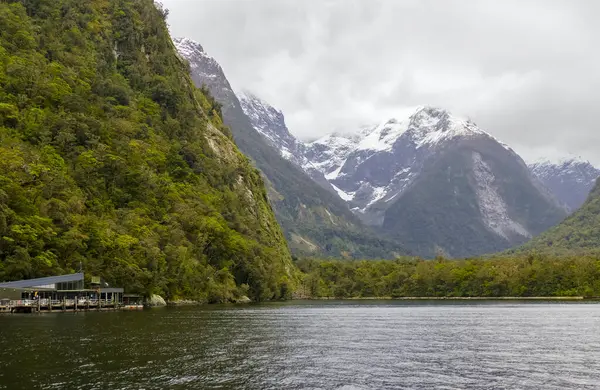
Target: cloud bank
{"points": [[526, 71]]}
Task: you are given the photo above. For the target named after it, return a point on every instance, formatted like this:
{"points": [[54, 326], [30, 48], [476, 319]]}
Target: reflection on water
{"points": [[308, 345]]}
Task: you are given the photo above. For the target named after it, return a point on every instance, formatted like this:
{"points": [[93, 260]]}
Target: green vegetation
{"points": [[579, 233], [110, 157], [527, 276]]}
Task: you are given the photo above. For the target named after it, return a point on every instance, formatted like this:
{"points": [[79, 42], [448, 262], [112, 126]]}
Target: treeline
{"points": [[525, 276]]}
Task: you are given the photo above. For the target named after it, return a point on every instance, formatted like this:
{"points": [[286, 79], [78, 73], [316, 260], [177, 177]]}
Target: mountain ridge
{"points": [[376, 168]]}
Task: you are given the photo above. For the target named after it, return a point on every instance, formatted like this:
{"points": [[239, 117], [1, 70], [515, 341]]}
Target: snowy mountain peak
{"points": [[566, 160], [570, 178], [270, 123], [252, 98], [261, 113], [383, 136], [194, 53], [188, 47], [431, 125], [425, 126], [430, 116]]}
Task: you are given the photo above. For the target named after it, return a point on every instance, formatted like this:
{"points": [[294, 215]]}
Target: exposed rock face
{"points": [[493, 209]]}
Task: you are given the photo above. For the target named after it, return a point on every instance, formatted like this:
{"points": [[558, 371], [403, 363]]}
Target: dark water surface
{"points": [[308, 345]]}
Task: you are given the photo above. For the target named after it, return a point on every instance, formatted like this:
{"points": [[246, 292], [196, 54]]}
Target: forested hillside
{"points": [[579, 233], [110, 157]]}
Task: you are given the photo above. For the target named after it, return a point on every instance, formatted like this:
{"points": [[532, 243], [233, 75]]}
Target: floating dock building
{"points": [[63, 292]]}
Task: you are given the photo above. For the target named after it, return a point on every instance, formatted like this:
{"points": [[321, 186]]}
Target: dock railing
{"points": [[47, 304]]}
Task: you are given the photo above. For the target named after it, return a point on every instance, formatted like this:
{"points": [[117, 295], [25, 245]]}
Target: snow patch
{"points": [[347, 196], [382, 137], [334, 174], [377, 194], [286, 154]]}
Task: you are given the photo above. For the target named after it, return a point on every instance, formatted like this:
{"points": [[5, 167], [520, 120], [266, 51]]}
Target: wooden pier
{"points": [[51, 305]]}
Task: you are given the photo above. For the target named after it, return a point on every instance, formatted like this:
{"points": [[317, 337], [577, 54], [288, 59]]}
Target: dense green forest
{"points": [[523, 276], [110, 157]]}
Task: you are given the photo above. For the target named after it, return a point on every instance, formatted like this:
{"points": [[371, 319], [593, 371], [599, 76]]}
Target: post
{"points": [[76, 301]]}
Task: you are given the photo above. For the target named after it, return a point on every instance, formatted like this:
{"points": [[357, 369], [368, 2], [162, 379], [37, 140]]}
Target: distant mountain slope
{"points": [[580, 232], [473, 198], [315, 220], [570, 179], [436, 182], [270, 123]]}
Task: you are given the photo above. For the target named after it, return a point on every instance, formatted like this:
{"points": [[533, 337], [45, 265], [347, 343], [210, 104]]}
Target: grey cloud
{"points": [[526, 71]]}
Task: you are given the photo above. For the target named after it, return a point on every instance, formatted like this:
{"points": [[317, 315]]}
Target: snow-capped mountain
{"points": [[436, 181], [315, 221], [570, 178], [376, 164]]}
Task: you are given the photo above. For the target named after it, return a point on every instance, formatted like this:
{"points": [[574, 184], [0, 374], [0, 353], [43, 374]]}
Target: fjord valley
{"points": [[341, 194], [121, 157]]}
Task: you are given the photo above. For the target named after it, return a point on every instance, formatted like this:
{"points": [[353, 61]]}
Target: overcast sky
{"points": [[527, 72]]}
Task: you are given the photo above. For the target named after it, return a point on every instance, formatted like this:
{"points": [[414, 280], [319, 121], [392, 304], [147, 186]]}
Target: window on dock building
{"points": [[70, 286]]}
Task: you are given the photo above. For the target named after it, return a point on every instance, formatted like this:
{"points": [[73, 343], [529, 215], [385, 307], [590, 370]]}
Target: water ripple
{"points": [[323, 345]]}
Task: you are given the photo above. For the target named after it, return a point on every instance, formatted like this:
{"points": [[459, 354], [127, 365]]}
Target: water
{"points": [[308, 345]]}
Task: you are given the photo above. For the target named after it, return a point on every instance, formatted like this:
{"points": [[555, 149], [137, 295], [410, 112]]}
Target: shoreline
{"points": [[574, 298]]}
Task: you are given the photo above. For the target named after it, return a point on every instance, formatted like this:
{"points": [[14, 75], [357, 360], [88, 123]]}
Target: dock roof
{"points": [[43, 281]]}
